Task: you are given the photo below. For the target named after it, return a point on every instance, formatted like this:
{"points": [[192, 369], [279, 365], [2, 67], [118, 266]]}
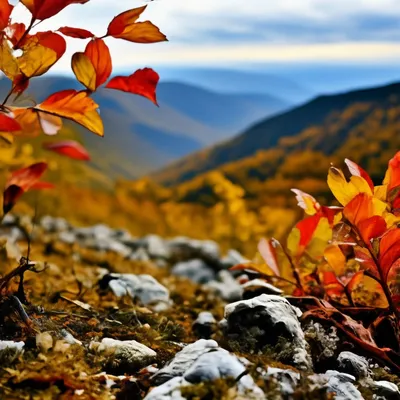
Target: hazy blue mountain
{"points": [[140, 137]]}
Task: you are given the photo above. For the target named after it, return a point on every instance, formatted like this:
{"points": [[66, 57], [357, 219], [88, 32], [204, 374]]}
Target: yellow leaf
{"points": [[380, 192], [345, 191], [76, 106], [37, 60], [8, 63], [84, 70], [336, 259]]}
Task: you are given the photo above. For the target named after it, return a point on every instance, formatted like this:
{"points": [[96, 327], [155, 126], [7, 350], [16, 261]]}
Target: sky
{"points": [[237, 32]]}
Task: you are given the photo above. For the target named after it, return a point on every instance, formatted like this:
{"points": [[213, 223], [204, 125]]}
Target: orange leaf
{"points": [[15, 32], [124, 26], [360, 208], [389, 251], [99, 55], [76, 106], [355, 280], [356, 170], [307, 228], [68, 148], [267, 249], [42, 185], [76, 33], [142, 82], [8, 124], [43, 9], [372, 228], [21, 181], [333, 287], [5, 12], [392, 177]]}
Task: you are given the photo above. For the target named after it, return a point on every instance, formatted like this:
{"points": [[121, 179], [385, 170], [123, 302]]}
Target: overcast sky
{"points": [[214, 32]]}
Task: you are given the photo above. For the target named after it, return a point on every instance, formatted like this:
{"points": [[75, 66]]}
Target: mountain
{"points": [[241, 81], [363, 124], [140, 137]]}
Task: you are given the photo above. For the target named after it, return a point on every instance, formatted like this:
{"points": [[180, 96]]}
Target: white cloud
{"points": [[208, 31]]}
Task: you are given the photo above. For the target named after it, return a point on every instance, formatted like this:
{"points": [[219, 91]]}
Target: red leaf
{"points": [[42, 185], [53, 41], [15, 32], [99, 54], [356, 170], [392, 178], [142, 82], [8, 124], [28, 176], [307, 228], [389, 251], [5, 12], [69, 148], [10, 197], [372, 228], [43, 9], [21, 181], [268, 253], [333, 287], [76, 33]]}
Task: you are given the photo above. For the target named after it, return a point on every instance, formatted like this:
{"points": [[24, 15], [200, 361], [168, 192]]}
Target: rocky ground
{"points": [[110, 316]]}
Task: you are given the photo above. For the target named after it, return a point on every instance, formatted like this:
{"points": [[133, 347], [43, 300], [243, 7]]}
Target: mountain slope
{"points": [[140, 137], [240, 81], [321, 124]]}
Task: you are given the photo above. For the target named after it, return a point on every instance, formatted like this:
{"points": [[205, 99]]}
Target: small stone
{"points": [[128, 353], [144, 287], [69, 338], [156, 247], [10, 351], [256, 287], [232, 258], [44, 341], [196, 270], [386, 390], [266, 319], [285, 378], [204, 325], [353, 364], [227, 287], [140, 255]]}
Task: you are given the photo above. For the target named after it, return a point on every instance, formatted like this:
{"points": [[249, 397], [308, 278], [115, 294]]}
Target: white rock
{"points": [[196, 270], [273, 317], [129, 352], [227, 287], [144, 287]]}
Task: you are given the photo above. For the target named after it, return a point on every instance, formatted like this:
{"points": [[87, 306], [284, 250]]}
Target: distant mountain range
{"points": [[139, 137], [363, 125]]}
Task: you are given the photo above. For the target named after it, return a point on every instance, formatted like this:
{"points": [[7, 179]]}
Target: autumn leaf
{"points": [[15, 33], [356, 170], [143, 82], [76, 106], [76, 33], [84, 70], [392, 176], [306, 202], [37, 61], [68, 148], [389, 251], [20, 182], [343, 190], [8, 63], [44, 9], [267, 249], [8, 124], [99, 55], [124, 26], [5, 12]]}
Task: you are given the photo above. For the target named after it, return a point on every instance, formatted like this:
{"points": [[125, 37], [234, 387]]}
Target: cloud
{"points": [[221, 31]]}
